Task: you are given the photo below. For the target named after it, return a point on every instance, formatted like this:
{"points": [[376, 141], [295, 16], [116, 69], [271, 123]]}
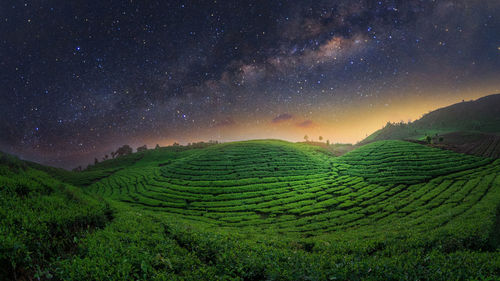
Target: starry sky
{"points": [[80, 78]]}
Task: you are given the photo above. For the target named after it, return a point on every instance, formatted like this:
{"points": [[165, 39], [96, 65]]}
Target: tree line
{"points": [[126, 149]]}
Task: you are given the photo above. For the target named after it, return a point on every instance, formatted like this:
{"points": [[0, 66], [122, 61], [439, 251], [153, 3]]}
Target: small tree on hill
{"points": [[428, 139], [157, 146], [124, 150], [327, 142], [320, 138], [142, 148], [306, 138], [96, 161]]}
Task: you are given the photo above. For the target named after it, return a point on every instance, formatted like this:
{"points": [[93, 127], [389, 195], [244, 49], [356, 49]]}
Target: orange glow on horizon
{"points": [[346, 125]]}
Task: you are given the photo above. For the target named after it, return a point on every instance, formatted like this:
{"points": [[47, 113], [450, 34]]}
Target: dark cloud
{"points": [[282, 117], [305, 124]]}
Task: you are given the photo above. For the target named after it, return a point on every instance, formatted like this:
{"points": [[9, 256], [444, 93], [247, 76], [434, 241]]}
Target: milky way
{"points": [[82, 77]]}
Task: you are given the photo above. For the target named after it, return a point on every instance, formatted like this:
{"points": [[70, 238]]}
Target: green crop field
{"points": [[255, 210]]}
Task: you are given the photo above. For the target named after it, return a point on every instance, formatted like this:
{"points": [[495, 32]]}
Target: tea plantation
{"points": [[255, 210]]}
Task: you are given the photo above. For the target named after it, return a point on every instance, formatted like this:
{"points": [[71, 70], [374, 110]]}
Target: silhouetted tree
{"points": [[428, 139], [96, 161], [142, 148], [124, 150], [327, 142], [106, 157], [113, 154], [320, 138], [306, 138], [157, 146]]}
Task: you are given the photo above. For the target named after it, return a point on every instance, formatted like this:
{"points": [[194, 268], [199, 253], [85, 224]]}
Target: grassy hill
{"points": [[486, 145], [41, 219], [481, 116], [274, 210]]}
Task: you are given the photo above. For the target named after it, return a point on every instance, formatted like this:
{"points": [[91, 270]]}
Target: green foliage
{"points": [[41, 219], [260, 210]]}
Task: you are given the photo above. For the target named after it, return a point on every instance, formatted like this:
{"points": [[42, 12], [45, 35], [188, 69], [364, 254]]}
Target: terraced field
{"points": [[299, 189], [485, 145], [257, 210]]}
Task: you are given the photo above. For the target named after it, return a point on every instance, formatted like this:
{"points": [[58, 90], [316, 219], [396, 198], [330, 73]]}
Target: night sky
{"points": [[80, 78]]}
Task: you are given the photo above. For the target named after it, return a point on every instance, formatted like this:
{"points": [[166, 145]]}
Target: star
{"points": [[141, 73]]}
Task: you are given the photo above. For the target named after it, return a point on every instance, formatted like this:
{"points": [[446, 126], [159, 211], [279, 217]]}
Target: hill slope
{"points": [[478, 116], [486, 145], [282, 185], [41, 218], [273, 210]]}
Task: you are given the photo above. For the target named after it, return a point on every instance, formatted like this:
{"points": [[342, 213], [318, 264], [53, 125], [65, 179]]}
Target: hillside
{"points": [[478, 116], [485, 145], [274, 210], [41, 219]]}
